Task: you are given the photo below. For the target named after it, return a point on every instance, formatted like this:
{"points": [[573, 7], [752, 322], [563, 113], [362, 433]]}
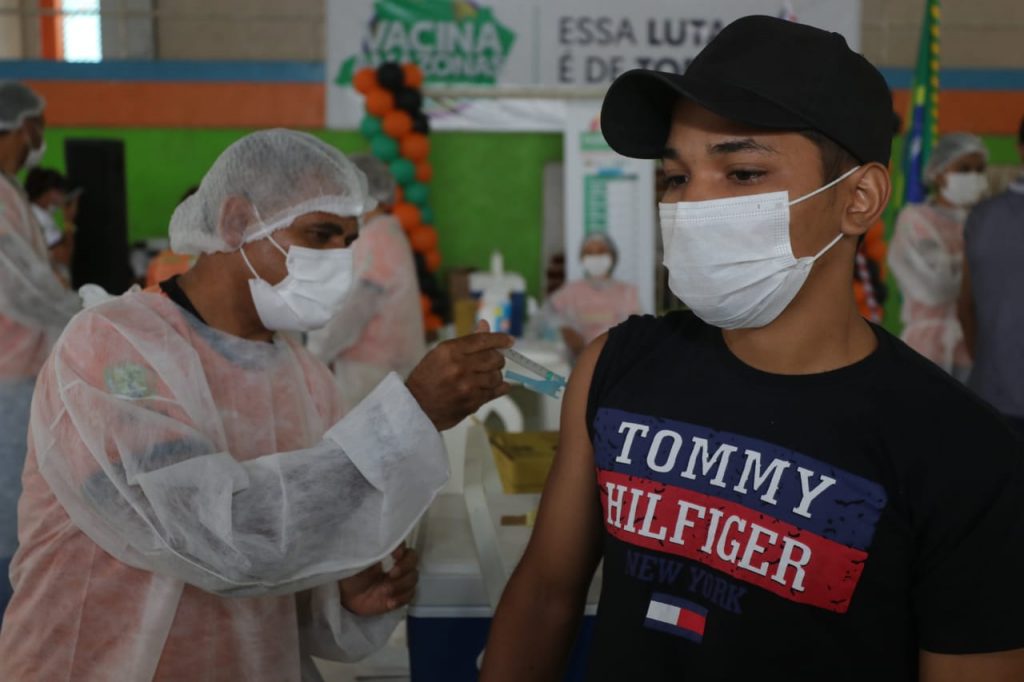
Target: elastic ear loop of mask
{"points": [[249, 264], [816, 193], [825, 187]]}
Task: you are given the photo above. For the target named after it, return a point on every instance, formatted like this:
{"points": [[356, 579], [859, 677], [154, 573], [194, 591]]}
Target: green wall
{"points": [[487, 188]]}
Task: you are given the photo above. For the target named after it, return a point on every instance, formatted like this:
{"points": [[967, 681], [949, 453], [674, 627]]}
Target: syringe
{"points": [[550, 383]]}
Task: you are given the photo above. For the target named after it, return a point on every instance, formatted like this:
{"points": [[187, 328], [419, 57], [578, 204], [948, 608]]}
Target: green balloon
{"points": [[417, 193], [384, 148], [370, 127], [404, 171], [427, 215]]}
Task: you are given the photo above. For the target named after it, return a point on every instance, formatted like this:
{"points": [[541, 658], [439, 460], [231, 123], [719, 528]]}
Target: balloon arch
{"points": [[398, 131]]}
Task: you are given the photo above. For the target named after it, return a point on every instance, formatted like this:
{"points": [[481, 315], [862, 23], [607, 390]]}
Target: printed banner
{"points": [[562, 44]]}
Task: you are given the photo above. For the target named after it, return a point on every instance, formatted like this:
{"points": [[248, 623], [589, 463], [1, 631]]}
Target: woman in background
{"points": [[589, 307], [927, 250]]}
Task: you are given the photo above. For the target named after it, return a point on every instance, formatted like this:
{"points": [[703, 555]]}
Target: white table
{"points": [[466, 558]]}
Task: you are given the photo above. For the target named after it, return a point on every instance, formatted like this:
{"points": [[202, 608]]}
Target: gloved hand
{"points": [[459, 376]]}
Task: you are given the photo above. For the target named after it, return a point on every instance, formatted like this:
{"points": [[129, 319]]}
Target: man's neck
{"points": [[212, 287], [820, 331]]}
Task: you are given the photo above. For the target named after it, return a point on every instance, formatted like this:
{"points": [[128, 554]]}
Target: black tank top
{"points": [[740, 511]]}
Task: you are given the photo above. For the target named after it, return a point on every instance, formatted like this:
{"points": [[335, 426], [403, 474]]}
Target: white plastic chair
{"points": [[506, 410], [455, 438]]}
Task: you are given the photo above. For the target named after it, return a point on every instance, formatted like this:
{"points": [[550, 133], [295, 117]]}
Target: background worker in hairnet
{"points": [[34, 304], [380, 327], [591, 306], [927, 251], [195, 505]]}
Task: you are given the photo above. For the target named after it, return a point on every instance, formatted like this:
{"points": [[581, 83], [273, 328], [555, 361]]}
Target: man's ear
{"points": [[866, 203], [236, 214]]}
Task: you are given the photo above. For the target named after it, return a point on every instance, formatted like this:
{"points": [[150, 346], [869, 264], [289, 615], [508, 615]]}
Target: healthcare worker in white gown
{"points": [[34, 303], [196, 505]]}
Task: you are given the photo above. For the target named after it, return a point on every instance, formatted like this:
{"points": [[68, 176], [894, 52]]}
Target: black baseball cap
{"points": [[763, 72]]}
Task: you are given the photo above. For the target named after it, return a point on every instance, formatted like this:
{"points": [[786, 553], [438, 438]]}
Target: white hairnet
{"points": [[950, 148], [283, 174], [601, 238], [378, 176], [18, 102]]}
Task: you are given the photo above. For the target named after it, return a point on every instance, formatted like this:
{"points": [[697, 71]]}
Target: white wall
{"points": [[975, 33], [240, 29], [127, 28], [10, 30]]}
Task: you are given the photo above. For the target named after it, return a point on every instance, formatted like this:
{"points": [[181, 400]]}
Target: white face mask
{"points": [[47, 217], [310, 295], [35, 155], [731, 261], [597, 265], [965, 189]]}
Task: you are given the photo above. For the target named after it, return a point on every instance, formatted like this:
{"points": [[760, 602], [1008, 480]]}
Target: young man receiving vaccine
{"points": [[778, 489]]}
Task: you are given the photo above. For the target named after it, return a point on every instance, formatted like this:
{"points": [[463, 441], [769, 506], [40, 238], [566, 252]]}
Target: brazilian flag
{"points": [[923, 117], [922, 131]]}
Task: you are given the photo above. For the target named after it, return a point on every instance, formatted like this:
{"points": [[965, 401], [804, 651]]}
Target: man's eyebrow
{"points": [[670, 154], [747, 144]]}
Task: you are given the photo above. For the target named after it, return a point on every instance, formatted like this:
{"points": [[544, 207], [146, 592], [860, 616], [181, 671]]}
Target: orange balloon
{"points": [[380, 102], [415, 146], [426, 304], [424, 171], [365, 80], [423, 239], [408, 215], [433, 323], [413, 75], [432, 259], [397, 124]]}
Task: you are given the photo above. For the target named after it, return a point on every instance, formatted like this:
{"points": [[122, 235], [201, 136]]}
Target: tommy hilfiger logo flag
{"points": [[676, 617]]}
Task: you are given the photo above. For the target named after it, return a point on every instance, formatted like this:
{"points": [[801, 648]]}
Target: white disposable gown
{"points": [[926, 257], [34, 307], [192, 498]]}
